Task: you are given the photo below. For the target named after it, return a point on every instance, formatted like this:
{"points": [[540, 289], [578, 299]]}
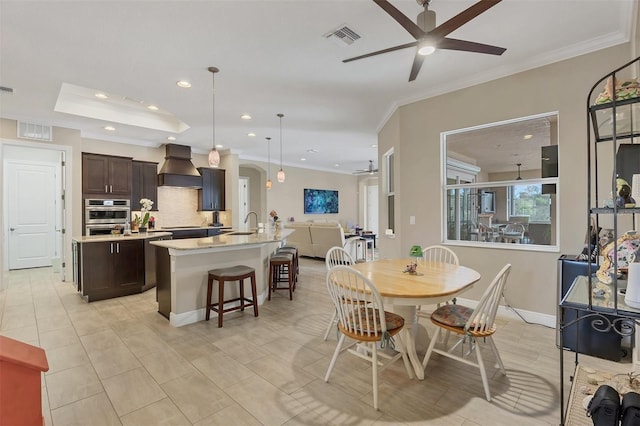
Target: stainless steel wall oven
{"points": [[101, 216]]}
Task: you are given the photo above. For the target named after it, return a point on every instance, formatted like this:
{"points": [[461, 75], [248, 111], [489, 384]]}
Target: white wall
{"points": [[414, 133], [287, 198], [69, 140]]}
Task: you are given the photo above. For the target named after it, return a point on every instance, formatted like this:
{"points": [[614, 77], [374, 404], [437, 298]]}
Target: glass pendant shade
{"points": [[214, 155], [214, 158], [280, 174], [269, 184]]}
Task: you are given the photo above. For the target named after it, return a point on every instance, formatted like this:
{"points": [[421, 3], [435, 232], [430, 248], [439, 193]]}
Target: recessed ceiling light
{"points": [[184, 84], [312, 151], [245, 117], [219, 146], [101, 95], [153, 108], [110, 128], [374, 146], [336, 165], [251, 134], [303, 159], [527, 137], [171, 138]]}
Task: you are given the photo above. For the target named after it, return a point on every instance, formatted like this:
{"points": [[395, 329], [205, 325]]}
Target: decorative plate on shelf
{"points": [[627, 247]]}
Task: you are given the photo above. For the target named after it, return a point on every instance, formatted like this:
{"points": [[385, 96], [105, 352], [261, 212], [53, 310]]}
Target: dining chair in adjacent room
{"points": [[336, 256], [441, 254], [362, 318], [513, 233], [474, 326]]}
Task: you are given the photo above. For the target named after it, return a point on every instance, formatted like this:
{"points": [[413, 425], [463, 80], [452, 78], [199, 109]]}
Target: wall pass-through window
{"points": [[500, 184]]}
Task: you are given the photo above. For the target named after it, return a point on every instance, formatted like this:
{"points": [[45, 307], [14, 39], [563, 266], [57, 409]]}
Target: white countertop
{"points": [[120, 237], [224, 240]]}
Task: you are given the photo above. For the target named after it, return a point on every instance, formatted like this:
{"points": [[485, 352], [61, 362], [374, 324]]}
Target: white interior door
{"points": [[243, 198], [372, 209], [32, 214]]}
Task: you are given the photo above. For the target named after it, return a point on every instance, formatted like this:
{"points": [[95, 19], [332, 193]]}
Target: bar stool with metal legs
{"points": [[277, 265], [234, 273]]}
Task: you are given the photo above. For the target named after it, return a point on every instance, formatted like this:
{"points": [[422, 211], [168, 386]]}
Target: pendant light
{"points": [[269, 184], [280, 175], [214, 155], [519, 164]]}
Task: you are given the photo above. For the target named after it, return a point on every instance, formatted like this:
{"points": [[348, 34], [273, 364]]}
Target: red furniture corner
{"points": [[21, 365]]}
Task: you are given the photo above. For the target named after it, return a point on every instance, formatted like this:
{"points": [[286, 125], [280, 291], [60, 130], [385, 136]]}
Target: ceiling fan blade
{"points": [[402, 19], [462, 18], [417, 64], [470, 46], [391, 49]]}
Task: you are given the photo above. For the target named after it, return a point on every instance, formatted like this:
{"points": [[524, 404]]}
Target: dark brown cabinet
{"points": [[188, 233], [212, 195], [144, 184], [104, 175], [111, 269]]}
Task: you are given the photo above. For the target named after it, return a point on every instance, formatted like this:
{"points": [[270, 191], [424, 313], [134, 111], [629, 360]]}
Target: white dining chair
{"points": [[362, 318], [513, 233], [474, 326], [437, 253], [336, 256]]}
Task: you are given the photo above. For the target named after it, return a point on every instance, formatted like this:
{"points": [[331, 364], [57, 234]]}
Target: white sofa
{"points": [[314, 239]]}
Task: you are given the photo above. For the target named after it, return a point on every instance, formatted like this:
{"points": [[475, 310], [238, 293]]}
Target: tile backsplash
{"points": [[179, 207]]}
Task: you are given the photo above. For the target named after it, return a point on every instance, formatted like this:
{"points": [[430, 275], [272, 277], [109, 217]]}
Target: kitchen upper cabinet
{"points": [[212, 195], [106, 176], [111, 269], [144, 184]]}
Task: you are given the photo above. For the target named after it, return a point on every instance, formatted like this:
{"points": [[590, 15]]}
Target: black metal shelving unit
{"points": [[612, 123]]}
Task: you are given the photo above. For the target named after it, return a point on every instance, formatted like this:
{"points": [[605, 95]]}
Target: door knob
{"points": [[12, 229]]}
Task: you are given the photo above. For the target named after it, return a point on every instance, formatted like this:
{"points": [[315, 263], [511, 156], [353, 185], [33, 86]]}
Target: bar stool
{"points": [[234, 273], [296, 268], [276, 265]]}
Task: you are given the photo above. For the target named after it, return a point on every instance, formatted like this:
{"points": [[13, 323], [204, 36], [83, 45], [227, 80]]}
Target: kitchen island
{"points": [[183, 265], [107, 266]]}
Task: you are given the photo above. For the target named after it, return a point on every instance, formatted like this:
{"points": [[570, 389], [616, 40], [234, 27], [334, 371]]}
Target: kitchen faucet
{"points": [[246, 219]]}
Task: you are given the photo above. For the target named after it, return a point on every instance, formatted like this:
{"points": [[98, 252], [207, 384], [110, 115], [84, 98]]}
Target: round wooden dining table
{"points": [[435, 282]]}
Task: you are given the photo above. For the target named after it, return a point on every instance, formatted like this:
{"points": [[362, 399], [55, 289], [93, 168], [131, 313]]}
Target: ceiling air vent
{"points": [[343, 35], [38, 132]]}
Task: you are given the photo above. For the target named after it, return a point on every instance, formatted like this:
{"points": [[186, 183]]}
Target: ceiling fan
{"points": [[369, 170], [429, 37]]}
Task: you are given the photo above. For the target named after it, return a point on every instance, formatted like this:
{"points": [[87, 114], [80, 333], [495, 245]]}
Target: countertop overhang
{"points": [[120, 237], [223, 241]]}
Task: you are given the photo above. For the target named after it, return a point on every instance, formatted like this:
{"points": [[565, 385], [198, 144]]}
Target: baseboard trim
{"points": [[186, 318], [507, 312]]}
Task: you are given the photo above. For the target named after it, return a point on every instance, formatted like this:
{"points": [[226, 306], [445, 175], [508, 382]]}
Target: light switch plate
{"points": [[412, 220]]}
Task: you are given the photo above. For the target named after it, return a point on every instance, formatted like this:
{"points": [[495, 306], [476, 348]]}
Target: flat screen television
{"points": [[320, 201]]}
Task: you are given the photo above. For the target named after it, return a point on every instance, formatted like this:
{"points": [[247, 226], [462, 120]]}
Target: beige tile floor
{"points": [[119, 362]]}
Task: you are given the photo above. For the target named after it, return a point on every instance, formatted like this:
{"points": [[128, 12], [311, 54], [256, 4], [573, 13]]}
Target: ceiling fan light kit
{"points": [[429, 38], [214, 155]]}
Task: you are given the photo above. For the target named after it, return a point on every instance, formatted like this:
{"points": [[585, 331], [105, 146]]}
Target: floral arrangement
{"points": [[145, 207], [274, 215]]}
